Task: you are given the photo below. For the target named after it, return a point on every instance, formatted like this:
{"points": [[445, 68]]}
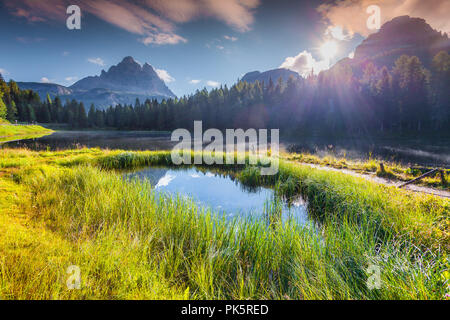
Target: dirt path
{"points": [[374, 178]]}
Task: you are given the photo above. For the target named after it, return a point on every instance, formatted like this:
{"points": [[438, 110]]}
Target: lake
{"points": [[427, 152], [221, 193]]}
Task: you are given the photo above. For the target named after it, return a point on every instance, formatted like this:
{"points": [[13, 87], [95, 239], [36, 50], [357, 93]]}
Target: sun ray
{"points": [[328, 50]]}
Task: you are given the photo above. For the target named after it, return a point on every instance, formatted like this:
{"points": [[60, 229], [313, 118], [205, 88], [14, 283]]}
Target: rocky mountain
{"points": [[128, 76], [122, 83], [274, 74], [401, 35]]}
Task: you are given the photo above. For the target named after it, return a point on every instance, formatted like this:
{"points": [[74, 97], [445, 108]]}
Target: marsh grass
{"points": [[71, 209], [393, 171]]}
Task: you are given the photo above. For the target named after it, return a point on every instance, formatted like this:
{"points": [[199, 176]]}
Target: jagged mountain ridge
{"points": [[122, 83], [127, 76]]}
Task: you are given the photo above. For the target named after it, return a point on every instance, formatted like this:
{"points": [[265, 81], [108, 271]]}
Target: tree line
{"points": [[405, 98]]}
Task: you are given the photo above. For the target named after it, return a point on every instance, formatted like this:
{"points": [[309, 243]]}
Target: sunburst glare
{"points": [[328, 50]]}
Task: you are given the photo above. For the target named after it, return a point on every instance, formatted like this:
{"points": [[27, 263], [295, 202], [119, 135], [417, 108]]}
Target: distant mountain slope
{"points": [[402, 35], [122, 84], [45, 88], [274, 74]]}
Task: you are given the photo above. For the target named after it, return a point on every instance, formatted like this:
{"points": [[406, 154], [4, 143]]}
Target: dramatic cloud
{"points": [[164, 75], [211, 83], [154, 20], [351, 15], [194, 81], [236, 13], [304, 63], [98, 61]]}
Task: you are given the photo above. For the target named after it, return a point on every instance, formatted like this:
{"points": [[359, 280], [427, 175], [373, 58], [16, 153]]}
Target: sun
{"points": [[328, 50]]}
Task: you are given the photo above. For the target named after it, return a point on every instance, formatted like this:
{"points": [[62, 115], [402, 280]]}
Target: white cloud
{"points": [[163, 38], [164, 181], [70, 79], [351, 15], [211, 83], [338, 33], [220, 47], [65, 53], [4, 72], [164, 75], [231, 38], [98, 61], [28, 40], [304, 63], [194, 81], [45, 80]]}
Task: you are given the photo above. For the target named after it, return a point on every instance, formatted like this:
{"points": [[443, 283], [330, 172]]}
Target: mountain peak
{"points": [[402, 35], [128, 59], [127, 77]]}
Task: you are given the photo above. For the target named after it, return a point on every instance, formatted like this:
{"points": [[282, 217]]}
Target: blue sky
{"points": [[194, 43]]}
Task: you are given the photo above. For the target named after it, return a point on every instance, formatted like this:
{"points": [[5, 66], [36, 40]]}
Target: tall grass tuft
{"points": [[130, 243]]}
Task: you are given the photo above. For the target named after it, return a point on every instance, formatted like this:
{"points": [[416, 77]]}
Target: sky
{"points": [[192, 44]]}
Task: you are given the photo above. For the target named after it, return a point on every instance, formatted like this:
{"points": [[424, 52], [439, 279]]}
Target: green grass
{"points": [[72, 208], [393, 171], [12, 132]]}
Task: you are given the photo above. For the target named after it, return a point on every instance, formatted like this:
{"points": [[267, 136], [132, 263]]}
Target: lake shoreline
{"points": [[13, 132], [176, 250]]}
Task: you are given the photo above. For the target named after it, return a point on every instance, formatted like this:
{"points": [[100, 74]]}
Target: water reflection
{"points": [[423, 151], [222, 194], [126, 140]]}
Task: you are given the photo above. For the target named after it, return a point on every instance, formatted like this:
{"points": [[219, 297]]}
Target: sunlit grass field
{"points": [[11, 132], [75, 208]]}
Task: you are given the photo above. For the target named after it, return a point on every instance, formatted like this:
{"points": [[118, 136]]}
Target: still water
{"points": [[220, 193], [125, 140], [427, 152]]}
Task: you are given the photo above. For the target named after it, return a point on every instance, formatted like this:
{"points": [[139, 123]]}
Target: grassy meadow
{"points": [[12, 132], [75, 207]]}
